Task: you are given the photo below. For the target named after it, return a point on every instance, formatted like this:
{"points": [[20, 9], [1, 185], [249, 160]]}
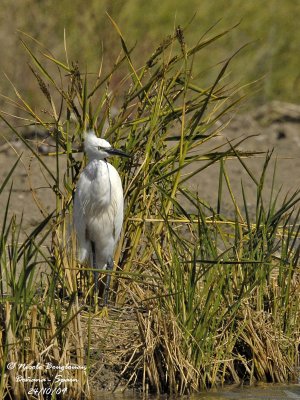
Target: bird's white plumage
{"points": [[98, 204]]}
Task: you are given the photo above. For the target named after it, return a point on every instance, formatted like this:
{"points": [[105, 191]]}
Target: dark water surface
{"points": [[261, 392]]}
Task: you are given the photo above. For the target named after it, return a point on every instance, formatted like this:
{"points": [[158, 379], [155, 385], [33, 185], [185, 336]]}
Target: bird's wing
{"points": [[81, 201]]}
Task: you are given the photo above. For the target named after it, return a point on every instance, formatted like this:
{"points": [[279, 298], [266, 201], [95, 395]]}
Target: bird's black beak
{"points": [[116, 152]]}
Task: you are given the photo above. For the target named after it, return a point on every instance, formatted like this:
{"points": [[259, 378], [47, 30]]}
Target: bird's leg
{"points": [[94, 267], [109, 267]]}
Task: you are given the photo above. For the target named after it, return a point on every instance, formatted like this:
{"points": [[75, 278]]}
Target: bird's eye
{"points": [[99, 148]]}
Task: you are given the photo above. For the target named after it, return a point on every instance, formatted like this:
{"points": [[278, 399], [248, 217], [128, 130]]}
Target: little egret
{"points": [[98, 208]]}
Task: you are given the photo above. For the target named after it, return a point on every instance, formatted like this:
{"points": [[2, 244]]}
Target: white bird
{"points": [[98, 207]]}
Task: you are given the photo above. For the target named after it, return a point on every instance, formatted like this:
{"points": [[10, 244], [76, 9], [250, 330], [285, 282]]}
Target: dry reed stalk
{"points": [[12, 355], [261, 334]]}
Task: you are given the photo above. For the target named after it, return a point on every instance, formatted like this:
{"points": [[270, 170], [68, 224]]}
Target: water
{"points": [[261, 392]]}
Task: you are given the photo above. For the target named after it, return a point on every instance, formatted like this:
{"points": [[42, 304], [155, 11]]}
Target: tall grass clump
{"points": [[201, 299]]}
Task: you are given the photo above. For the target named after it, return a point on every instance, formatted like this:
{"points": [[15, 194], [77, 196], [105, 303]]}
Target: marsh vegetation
{"points": [[199, 298]]}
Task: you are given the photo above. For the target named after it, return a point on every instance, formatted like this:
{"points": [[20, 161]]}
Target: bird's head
{"points": [[99, 149]]}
